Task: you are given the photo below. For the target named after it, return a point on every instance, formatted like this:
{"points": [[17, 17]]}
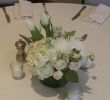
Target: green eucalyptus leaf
{"points": [[48, 29], [84, 37], [45, 28], [83, 69], [28, 40], [71, 76], [69, 34], [51, 29]]}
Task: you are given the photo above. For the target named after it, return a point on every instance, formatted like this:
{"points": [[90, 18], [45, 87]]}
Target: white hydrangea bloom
{"points": [[33, 70], [58, 75], [45, 71], [38, 56]]}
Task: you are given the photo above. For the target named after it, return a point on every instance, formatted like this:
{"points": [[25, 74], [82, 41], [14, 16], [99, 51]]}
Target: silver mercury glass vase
{"points": [[21, 55]]}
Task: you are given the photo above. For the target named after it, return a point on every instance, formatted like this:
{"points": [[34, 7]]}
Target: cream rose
{"points": [[60, 64], [58, 75]]}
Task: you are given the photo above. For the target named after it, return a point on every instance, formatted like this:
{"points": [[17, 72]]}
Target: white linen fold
{"points": [[99, 14]]}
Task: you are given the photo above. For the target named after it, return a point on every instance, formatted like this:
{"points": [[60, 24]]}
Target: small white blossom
{"points": [[58, 75]]}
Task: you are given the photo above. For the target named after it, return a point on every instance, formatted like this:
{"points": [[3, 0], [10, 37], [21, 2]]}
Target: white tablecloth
{"points": [[96, 84]]}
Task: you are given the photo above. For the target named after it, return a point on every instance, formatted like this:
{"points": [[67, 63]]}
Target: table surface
{"points": [[96, 83]]}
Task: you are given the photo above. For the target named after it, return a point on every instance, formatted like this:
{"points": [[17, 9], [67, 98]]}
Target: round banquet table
{"points": [[95, 85]]}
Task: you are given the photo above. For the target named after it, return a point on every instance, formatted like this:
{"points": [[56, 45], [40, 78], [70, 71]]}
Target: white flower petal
{"points": [[61, 44], [74, 65], [45, 19]]}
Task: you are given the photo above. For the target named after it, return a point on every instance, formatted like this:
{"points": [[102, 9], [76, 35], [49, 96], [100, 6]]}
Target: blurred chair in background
{"points": [[60, 1], [8, 2], [96, 2], [11, 2], [39, 1]]}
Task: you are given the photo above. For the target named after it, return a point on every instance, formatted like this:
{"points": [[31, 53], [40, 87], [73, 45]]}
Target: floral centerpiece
{"points": [[56, 56]]}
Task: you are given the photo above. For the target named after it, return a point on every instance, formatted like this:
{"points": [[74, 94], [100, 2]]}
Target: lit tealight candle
{"points": [[73, 95], [74, 92], [17, 70]]}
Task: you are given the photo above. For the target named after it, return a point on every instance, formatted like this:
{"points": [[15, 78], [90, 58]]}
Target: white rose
{"points": [[60, 64], [58, 75], [45, 19], [74, 65]]}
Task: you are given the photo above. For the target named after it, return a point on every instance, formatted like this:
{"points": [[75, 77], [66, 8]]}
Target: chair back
{"points": [[8, 2], [96, 2]]}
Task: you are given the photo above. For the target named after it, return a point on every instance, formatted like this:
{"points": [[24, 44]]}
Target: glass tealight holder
{"points": [[74, 92], [17, 69]]}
